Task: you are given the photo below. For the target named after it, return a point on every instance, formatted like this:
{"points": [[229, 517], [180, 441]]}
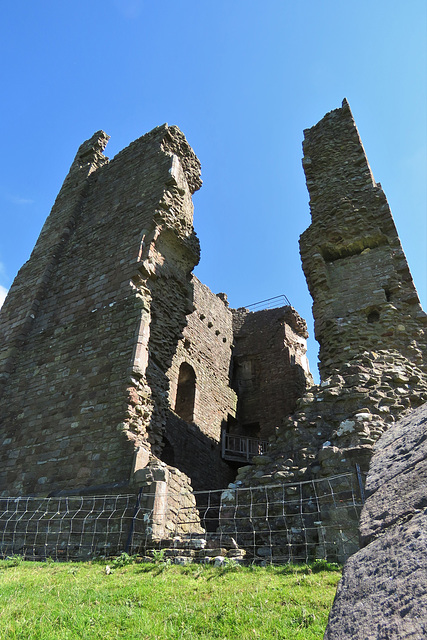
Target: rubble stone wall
{"points": [[195, 454], [207, 347], [81, 526]]}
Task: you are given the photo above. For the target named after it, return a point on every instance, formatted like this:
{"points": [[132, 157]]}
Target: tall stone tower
{"points": [[364, 297], [92, 321], [368, 321]]}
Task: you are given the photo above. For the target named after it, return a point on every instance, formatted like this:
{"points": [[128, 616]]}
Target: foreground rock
{"points": [[383, 592]]}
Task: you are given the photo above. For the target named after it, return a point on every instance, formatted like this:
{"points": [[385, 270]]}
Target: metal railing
{"points": [[241, 448], [269, 303]]}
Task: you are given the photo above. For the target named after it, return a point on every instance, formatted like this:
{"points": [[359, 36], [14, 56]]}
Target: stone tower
{"points": [[92, 320], [356, 271], [368, 321]]}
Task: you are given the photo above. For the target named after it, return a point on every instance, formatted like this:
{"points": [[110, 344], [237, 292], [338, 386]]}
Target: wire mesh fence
{"points": [[294, 522]]}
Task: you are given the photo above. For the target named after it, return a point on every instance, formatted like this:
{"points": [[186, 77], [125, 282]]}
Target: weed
{"points": [[230, 564], [324, 565], [123, 560], [305, 619], [14, 561], [158, 555]]}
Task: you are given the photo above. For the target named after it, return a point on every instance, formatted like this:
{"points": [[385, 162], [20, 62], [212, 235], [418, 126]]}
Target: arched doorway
{"points": [[186, 392]]}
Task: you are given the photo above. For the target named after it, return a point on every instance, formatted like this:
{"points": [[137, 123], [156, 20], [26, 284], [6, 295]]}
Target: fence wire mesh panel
{"points": [[64, 528], [281, 523], [296, 522]]}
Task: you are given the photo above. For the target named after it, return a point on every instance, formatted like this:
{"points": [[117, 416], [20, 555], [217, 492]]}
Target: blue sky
{"points": [[242, 79]]}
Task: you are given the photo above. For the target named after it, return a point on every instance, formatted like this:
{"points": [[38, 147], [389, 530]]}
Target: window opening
{"points": [[167, 455], [186, 392]]}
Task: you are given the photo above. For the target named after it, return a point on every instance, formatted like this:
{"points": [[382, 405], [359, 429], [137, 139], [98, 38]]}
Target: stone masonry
{"points": [[205, 351], [119, 369], [115, 362], [368, 320], [363, 294], [270, 347], [84, 399]]}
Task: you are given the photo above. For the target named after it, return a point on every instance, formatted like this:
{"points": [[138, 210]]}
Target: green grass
{"points": [[69, 601]]}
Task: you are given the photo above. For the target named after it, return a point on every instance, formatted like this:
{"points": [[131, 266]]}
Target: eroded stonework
{"points": [[119, 369], [80, 392], [363, 295], [368, 320], [113, 357]]}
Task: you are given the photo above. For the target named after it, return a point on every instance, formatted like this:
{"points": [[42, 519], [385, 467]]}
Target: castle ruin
{"points": [[119, 368], [113, 356]]}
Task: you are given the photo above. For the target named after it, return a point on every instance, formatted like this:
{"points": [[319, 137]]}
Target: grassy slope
{"points": [[70, 601]]}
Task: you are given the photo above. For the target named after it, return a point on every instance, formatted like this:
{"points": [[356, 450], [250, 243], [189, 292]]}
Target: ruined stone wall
{"points": [[195, 454], [206, 346], [78, 526], [27, 291], [270, 367], [193, 444], [79, 387], [363, 294], [368, 321]]}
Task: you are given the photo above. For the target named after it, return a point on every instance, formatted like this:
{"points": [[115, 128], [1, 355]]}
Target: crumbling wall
{"points": [[368, 321], [373, 367], [206, 346], [78, 526], [270, 367], [80, 384], [193, 442], [363, 295]]}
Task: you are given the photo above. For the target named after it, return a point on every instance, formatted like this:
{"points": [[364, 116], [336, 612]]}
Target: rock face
{"points": [[383, 591]]}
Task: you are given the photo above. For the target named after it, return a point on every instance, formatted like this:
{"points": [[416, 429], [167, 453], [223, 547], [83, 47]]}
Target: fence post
{"points": [[132, 524], [360, 480]]}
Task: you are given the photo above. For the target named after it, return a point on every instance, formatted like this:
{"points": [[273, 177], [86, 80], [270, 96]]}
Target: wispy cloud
{"points": [[14, 198], [3, 294], [18, 200], [129, 8]]}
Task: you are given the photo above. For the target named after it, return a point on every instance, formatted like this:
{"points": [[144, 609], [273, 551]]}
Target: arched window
{"points": [[186, 392]]}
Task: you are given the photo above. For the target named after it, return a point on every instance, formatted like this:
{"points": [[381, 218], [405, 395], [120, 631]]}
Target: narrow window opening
{"points": [[186, 392], [387, 294]]}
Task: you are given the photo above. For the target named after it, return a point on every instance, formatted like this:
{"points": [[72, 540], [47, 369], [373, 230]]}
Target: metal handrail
{"points": [[242, 447], [270, 303]]}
